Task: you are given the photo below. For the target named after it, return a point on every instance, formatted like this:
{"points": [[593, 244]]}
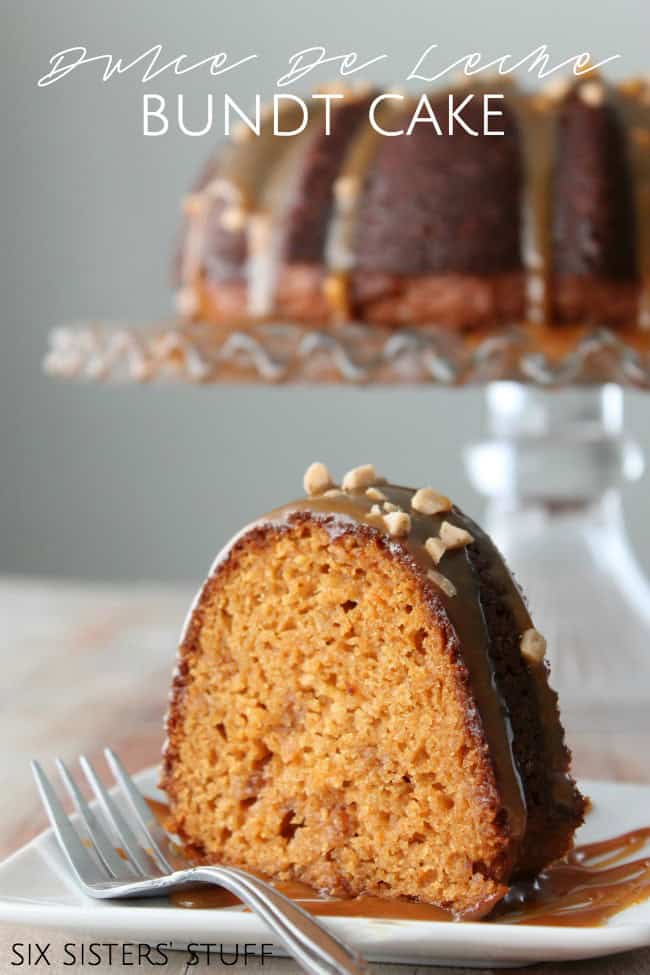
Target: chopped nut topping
{"points": [[186, 302], [336, 87], [389, 506], [192, 204], [436, 548], [453, 536], [317, 479], [375, 494], [556, 89], [592, 93], [397, 523], [346, 189], [533, 646], [334, 493], [376, 510], [426, 501], [359, 477], [232, 218], [442, 582]]}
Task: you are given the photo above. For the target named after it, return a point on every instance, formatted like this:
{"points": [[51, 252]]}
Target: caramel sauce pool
{"points": [[591, 884]]}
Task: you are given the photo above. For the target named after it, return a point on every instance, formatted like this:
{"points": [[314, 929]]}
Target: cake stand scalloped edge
{"points": [[353, 354]]}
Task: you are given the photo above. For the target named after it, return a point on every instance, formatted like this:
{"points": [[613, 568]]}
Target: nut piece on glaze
{"points": [[557, 89], [398, 523], [442, 582], [533, 646], [375, 494], [426, 501], [359, 478], [347, 189], [453, 536], [233, 219], [436, 548], [592, 93], [317, 479]]}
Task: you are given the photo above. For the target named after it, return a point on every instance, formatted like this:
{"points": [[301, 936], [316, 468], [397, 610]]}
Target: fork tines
{"points": [[111, 845]]}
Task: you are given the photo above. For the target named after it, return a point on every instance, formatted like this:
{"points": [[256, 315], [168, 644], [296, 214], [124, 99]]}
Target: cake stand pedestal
{"points": [[551, 467]]}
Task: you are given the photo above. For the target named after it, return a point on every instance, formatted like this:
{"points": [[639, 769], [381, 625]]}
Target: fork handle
{"points": [[317, 950]]}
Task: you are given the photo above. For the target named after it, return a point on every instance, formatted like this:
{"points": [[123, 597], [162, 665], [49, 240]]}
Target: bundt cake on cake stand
{"points": [[520, 261], [440, 243]]}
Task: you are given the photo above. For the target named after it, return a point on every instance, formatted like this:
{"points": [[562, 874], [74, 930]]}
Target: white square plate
{"points": [[36, 889]]}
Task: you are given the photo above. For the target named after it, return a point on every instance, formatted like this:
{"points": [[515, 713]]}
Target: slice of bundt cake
{"points": [[361, 703], [402, 224], [595, 259], [439, 226]]}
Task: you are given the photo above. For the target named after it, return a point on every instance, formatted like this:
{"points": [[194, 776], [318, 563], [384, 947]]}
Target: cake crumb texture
{"points": [[319, 727]]}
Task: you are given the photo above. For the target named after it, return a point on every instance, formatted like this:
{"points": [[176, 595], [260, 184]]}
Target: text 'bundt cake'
{"points": [[361, 704], [547, 222]]}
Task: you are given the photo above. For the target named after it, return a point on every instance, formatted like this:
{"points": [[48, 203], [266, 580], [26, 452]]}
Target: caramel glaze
{"points": [[339, 251], [251, 178], [584, 889], [243, 171], [588, 886], [232, 180]]}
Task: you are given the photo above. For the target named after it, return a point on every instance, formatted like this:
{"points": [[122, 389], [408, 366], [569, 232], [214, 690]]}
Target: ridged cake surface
{"points": [[547, 223]]}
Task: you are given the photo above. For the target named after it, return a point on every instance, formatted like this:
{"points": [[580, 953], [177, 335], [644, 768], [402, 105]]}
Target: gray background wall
{"points": [[146, 482]]}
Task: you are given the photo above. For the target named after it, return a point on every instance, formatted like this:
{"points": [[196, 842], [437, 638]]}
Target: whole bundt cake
{"points": [[361, 703], [547, 222]]}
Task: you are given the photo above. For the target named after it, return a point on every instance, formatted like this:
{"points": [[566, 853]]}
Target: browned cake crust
{"points": [[595, 301], [338, 716], [452, 300], [545, 224]]}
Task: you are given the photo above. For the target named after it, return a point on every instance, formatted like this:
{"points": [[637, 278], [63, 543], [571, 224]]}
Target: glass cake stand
{"points": [[551, 464], [351, 353]]}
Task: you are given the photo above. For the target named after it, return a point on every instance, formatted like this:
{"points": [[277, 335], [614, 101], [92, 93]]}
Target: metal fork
{"points": [[141, 869]]}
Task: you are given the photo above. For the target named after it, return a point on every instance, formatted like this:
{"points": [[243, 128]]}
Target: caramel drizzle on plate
{"points": [[587, 887]]}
